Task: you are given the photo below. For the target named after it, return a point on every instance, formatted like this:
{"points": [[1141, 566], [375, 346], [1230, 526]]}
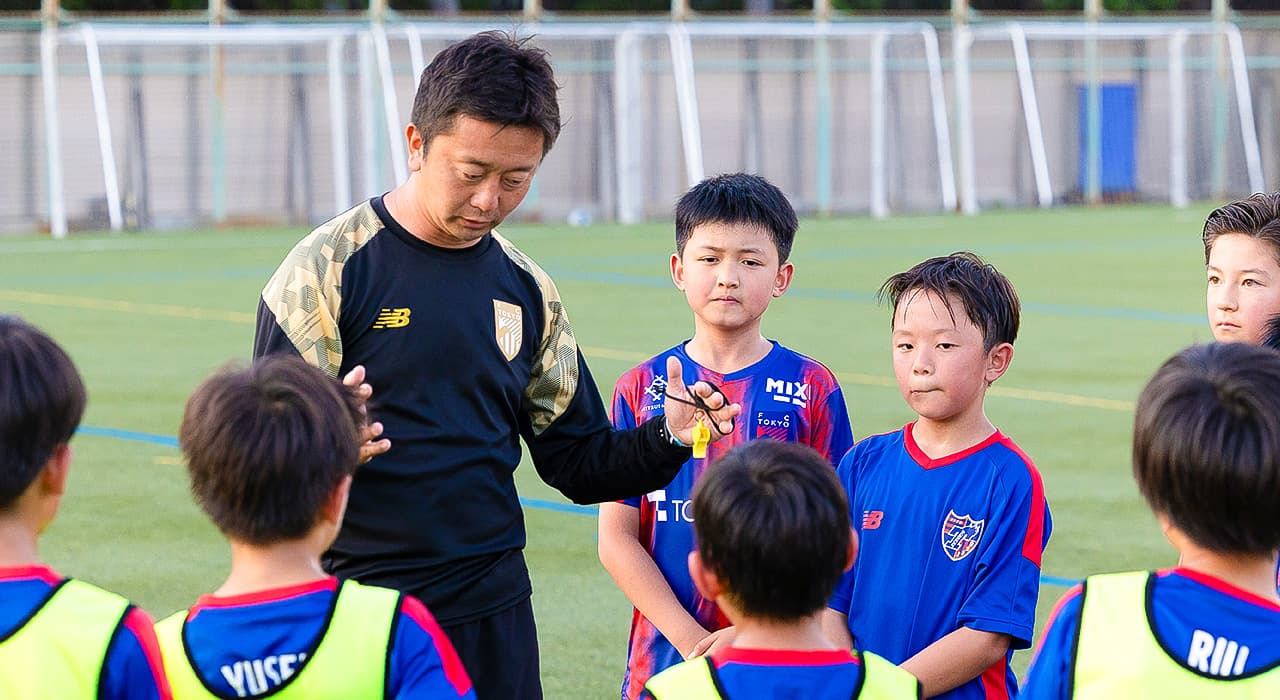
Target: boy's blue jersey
{"points": [[1190, 612], [943, 544], [247, 645], [785, 396], [767, 674], [132, 669]]}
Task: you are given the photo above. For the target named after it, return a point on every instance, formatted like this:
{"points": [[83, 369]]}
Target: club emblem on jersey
{"points": [[657, 388], [960, 535], [508, 328]]}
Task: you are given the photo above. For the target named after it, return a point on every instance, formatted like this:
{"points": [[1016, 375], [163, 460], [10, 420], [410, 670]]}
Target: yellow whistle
{"points": [[701, 437]]}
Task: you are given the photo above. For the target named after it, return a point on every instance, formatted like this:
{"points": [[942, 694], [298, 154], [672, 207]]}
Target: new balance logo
{"points": [[392, 318], [871, 519], [788, 392]]}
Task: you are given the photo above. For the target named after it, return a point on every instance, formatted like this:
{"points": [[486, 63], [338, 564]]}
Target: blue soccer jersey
{"points": [[944, 543], [784, 396], [767, 674], [132, 668], [247, 645], [1196, 617]]}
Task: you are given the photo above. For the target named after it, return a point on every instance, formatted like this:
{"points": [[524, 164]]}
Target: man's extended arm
{"points": [[588, 461]]}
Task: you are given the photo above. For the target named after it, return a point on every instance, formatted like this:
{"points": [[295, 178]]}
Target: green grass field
{"points": [[1107, 295]]}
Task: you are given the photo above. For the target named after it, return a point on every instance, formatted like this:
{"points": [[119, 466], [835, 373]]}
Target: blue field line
{"points": [[537, 503], [558, 507], [151, 438]]}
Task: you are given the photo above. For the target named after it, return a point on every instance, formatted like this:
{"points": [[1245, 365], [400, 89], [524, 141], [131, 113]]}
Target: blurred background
{"points": [[163, 114]]}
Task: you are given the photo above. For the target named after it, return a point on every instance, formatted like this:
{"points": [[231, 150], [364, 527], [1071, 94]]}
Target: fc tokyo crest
{"points": [[960, 535], [508, 328]]}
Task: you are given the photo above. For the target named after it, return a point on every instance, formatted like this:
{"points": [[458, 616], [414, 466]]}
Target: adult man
{"points": [[470, 348]]}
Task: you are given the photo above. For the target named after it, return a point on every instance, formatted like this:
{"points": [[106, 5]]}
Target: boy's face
{"points": [[1243, 288], [941, 367], [729, 273]]}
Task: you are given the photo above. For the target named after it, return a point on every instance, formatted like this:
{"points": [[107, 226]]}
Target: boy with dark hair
{"points": [[1206, 456], [733, 236], [60, 638], [471, 350], [271, 450], [773, 538], [1242, 265], [950, 512]]}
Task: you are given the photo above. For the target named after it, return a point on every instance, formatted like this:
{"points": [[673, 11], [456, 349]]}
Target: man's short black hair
{"points": [[986, 295], [493, 77], [1206, 446], [1257, 216], [42, 400], [267, 444], [772, 523], [738, 198]]}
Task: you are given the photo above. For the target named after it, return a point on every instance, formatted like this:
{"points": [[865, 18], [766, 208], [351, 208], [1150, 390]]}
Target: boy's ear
{"points": [[677, 271], [53, 478], [413, 139], [705, 580], [335, 506], [783, 279], [853, 549], [998, 359]]}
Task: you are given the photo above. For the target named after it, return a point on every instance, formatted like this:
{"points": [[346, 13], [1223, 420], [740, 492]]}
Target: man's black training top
{"points": [[467, 351]]}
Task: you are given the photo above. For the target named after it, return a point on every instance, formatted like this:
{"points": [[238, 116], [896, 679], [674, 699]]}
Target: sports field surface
{"points": [[1107, 295]]}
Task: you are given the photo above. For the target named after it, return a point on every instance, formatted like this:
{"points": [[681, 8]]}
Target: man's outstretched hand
{"points": [[682, 417], [370, 445]]}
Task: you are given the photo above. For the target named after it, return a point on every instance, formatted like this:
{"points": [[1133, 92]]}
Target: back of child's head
{"points": [[772, 523], [1257, 217], [1271, 336], [267, 444], [738, 199], [42, 400], [986, 296], [1206, 446]]}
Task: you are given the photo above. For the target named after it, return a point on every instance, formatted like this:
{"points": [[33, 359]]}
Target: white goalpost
{"points": [[1085, 41]]}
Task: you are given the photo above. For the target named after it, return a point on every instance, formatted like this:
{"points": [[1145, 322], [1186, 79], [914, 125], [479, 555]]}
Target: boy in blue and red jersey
{"points": [[270, 451], [1206, 456], [950, 512], [60, 638], [773, 538], [733, 236]]}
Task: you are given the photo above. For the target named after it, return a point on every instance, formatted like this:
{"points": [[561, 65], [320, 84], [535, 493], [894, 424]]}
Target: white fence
{"points": [[160, 126]]}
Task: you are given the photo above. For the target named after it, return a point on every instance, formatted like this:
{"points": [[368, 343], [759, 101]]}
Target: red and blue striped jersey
{"points": [[1196, 618], [132, 669], [767, 674], [247, 645], [943, 544], [784, 396]]}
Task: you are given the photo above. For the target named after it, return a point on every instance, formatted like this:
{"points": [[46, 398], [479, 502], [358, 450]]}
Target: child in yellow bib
{"points": [[772, 529], [270, 450], [1206, 456], [60, 639]]}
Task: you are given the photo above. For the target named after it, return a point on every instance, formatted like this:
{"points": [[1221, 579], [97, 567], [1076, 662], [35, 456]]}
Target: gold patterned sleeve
{"points": [[302, 301]]}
